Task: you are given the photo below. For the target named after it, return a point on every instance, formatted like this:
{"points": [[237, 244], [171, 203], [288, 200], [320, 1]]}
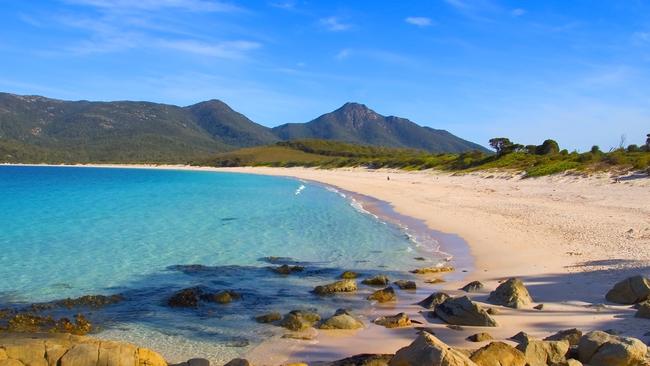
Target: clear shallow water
{"points": [[67, 232]]}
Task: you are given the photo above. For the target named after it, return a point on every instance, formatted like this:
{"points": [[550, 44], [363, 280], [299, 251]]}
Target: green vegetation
{"points": [[535, 161]]}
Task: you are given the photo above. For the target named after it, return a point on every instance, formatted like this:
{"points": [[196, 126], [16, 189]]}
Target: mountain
{"points": [[34, 128], [356, 123], [39, 129]]}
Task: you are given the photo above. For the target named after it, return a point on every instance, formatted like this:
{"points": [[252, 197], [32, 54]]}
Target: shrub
{"points": [[548, 147]]}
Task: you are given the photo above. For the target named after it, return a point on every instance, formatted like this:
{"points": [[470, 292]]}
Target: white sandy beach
{"points": [[570, 238]]}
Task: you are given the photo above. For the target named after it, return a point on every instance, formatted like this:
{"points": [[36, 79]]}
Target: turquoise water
{"points": [[67, 232]]}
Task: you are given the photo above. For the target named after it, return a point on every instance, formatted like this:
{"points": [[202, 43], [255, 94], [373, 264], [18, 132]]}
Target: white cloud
{"points": [[419, 21], [334, 24], [458, 4], [188, 5], [518, 12], [227, 49]]}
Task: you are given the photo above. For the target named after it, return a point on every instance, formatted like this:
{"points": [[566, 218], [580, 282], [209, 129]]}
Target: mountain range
{"points": [[40, 129]]}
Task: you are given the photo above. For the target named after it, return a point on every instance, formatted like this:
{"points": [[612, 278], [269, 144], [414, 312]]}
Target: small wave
{"points": [[300, 189]]}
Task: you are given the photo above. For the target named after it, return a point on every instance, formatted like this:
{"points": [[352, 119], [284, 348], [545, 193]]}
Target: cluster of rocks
{"points": [[191, 297], [300, 320], [632, 291]]}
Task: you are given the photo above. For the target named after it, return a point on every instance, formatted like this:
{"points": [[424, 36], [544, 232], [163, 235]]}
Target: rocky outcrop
{"points": [[298, 320], [89, 301], [271, 317], [498, 354], [433, 300], [601, 349], [542, 353], [511, 293], [473, 286], [394, 321], [572, 335], [30, 323], [338, 286], [427, 350], [463, 311], [342, 319], [191, 297], [70, 350], [480, 337], [430, 270], [405, 285], [378, 280], [630, 291], [384, 295]]}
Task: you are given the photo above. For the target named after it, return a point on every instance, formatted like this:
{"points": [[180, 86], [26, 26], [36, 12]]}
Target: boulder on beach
{"points": [[384, 295], [394, 321], [473, 286], [521, 337], [365, 359], [268, 317], [498, 354], [427, 350], [335, 287], [630, 291], [511, 293], [572, 335], [298, 320], [430, 270], [69, 350], [405, 285], [480, 337], [542, 353], [463, 311], [349, 275], [598, 348], [342, 319], [433, 300], [378, 280]]}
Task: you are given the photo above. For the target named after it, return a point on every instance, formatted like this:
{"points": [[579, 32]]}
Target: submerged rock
{"points": [[91, 301], [221, 297], [463, 311], [473, 286], [378, 280], [298, 320], [348, 275], [342, 319], [191, 297], [30, 323], [434, 300], [286, 269], [338, 286], [630, 291], [601, 349], [405, 285], [427, 350], [394, 321], [268, 317], [512, 293], [384, 295], [498, 354], [429, 270]]}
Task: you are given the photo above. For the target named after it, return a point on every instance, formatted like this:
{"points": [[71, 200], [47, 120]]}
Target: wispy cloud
{"points": [[419, 21], [641, 37], [518, 12], [187, 5], [334, 24], [287, 5], [227, 50], [343, 54]]}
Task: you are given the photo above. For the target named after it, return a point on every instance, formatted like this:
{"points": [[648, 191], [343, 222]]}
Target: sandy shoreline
{"points": [[569, 238]]}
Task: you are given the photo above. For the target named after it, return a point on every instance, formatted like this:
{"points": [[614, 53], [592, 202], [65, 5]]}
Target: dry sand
{"points": [[570, 238]]}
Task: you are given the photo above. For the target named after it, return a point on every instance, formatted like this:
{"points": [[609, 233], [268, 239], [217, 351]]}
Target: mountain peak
{"points": [[357, 112]]}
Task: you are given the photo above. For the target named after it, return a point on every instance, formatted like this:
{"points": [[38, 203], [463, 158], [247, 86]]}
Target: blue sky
{"points": [[577, 71]]}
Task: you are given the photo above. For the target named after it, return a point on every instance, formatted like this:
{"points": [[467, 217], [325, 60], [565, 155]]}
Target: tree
{"points": [[647, 143], [502, 145], [633, 148], [595, 149], [548, 147]]}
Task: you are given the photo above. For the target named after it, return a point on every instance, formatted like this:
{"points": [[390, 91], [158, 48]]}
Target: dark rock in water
{"points": [[221, 297], [643, 310], [511, 293], [286, 269], [394, 321], [348, 275], [198, 362], [279, 260], [238, 342], [420, 258], [463, 311], [338, 286], [383, 295], [379, 280], [30, 323], [269, 317], [433, 300], [91, 301], [480, 337], [572, 335], [364, 360], [185, 298], [238, 362], [190, 268], [405, 285], [297, 320], [630, 291], [229, 219], [473, 286]]}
